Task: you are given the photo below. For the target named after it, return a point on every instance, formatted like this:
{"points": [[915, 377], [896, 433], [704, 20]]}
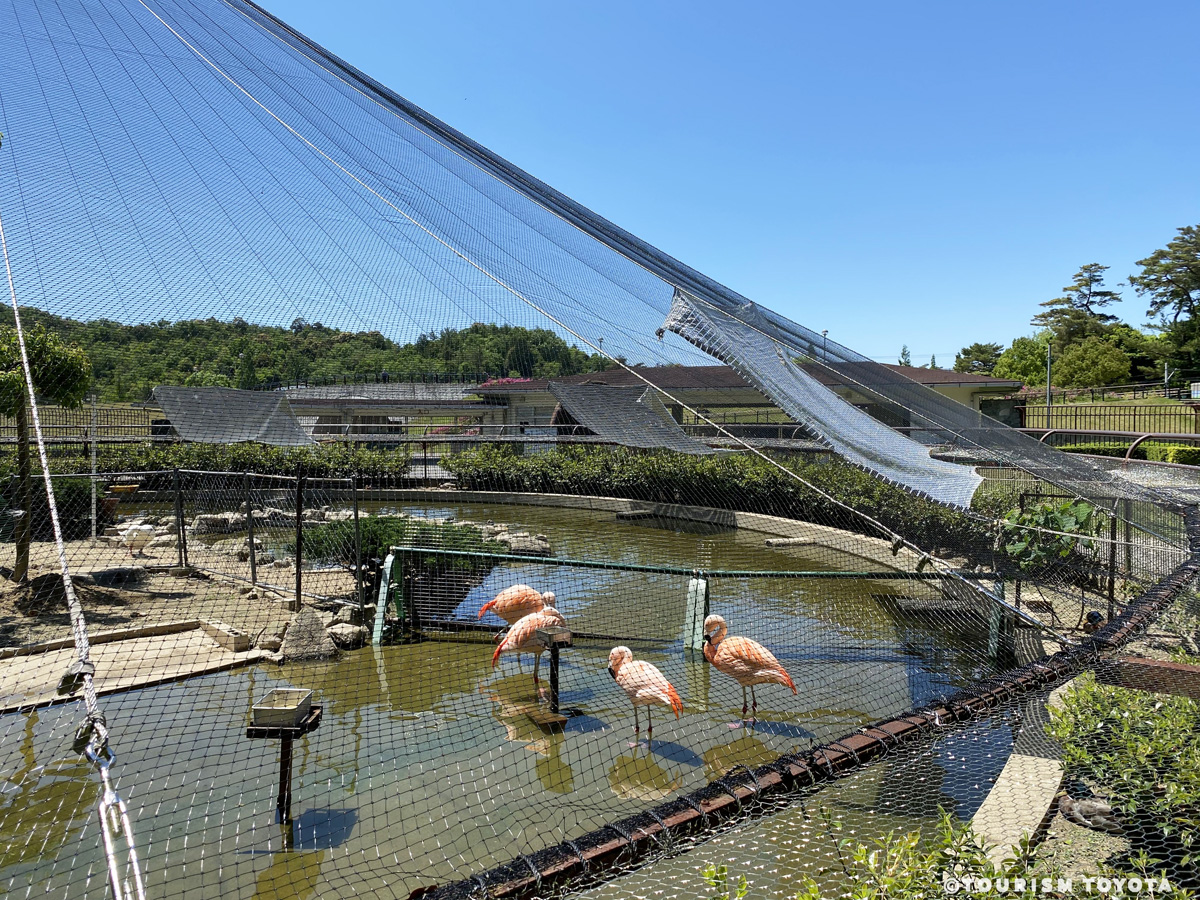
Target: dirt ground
{"points": [[117, 591]]}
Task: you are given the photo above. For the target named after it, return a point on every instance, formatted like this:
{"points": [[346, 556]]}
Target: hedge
{"points": [[732, 481], [332, 460], [1184, 454]]}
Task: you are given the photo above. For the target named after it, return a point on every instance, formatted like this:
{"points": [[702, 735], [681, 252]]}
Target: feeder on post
{"points": [[552, 638], [284, 715], [697, 612]]}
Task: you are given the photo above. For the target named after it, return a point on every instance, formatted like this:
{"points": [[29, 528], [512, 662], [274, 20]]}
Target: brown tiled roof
{"points": [[724, 378]]}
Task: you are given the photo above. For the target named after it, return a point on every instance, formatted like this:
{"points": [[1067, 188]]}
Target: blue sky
{"points": [[897, 173]]}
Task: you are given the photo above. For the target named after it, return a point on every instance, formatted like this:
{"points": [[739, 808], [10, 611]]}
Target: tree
{"points": [[1074, 316], [977, 359], [1090, 363], [61, 374], [1171, 277], [933, 361], [905, 358], [1024, 360]]}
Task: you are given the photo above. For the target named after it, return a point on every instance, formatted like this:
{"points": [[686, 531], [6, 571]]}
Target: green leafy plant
{"points": [[1142, 751], [718, 879], [1048, 532]]}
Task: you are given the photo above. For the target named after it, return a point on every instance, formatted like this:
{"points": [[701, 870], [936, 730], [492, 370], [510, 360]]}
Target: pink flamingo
{"points": [[521, 638], [747, 662], [515, 602], [644, 685]]}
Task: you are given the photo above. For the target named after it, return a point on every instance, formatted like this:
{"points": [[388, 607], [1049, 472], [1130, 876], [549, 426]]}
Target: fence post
{"points": [[1128, 538], [180, 530], [1112, 561], [250, 531], [358, 573], [299, 540], [697, 612]]}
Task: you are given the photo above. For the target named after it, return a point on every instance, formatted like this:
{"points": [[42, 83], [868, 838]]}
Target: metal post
{"points": [[283, 803], [1112, 561], [299, 539], [358, 573], [250, 531], [180, 531], [1049, 396], [554, 677], [92, 441], [1128, 538]]}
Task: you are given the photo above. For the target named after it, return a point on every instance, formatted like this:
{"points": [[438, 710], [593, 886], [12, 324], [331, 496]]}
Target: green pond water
{"points": [[427, 766]]}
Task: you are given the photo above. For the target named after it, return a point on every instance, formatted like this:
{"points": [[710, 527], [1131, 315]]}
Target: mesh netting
{"points": [[316, 653]]}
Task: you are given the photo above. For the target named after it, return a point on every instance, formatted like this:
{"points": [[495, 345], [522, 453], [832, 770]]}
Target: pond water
{"points": [[427, 766]]}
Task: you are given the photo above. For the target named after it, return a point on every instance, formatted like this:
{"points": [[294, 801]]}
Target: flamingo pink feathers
{"points": [[644, 685], [747, 662]]}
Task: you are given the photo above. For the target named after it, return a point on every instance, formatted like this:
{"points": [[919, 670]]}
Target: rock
{"points": [[180, 571], [348, 615], [167, 522], [119, 575], [347, 636], [270, 642], [313, 515], [524, 543], [165, 540], [245, 589], [265, 557], [218, 523], [306, 638], [271, 656]]}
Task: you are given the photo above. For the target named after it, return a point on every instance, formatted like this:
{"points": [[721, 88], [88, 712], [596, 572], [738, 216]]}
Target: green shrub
{"points": [[334, 541], [742, 482], [1048, 532], [332, 460], [73, 496], [1143, 751]]}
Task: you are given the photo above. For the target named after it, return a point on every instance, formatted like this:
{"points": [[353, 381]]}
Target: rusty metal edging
{"points": [[633, 837]]}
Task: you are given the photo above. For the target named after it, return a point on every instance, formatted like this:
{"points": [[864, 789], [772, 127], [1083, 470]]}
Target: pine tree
{"points": [[905, 359]]}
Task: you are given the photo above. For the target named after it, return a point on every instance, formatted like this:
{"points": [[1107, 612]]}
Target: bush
{"points": [[73, 497], [332, 460], [335, 541], [1143, 751], [731, 481]]}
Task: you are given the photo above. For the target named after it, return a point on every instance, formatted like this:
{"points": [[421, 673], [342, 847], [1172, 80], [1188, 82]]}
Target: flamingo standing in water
{"points": [[747, 662], [644, 685], [515, 602], [522, 637]]}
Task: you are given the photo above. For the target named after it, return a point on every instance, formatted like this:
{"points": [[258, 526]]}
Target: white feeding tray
{"points": [[282, 708]]}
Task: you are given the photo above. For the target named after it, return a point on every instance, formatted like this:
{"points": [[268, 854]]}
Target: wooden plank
{"points": [[1152, 675]]}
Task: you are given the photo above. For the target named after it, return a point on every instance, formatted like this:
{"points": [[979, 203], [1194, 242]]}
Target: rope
{"points": [[114, 816]]}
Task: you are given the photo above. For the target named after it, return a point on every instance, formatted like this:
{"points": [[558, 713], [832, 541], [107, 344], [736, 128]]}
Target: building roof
{"points": [[711, 378]]}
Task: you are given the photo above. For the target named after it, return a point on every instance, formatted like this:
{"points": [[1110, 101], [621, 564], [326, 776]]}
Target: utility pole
{"points": [[1049, 396]]}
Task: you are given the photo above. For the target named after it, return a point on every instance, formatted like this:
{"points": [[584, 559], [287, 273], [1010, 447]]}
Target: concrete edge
{"points": [[104, 637]]}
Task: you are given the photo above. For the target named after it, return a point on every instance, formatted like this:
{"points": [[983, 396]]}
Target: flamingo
{"points": [[644, 685], [747, 662], [136, 538], [516, 602], [521, 638]]}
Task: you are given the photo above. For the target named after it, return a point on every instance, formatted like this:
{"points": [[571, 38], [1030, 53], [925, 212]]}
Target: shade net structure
{"points": [[921, 576], [216, 415]]}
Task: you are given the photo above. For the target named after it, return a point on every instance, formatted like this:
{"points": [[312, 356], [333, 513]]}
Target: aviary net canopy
{"points": [[167, 162], [217, 415]]}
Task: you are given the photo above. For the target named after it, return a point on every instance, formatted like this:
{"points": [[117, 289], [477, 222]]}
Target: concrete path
{"points": [[32, 678]]}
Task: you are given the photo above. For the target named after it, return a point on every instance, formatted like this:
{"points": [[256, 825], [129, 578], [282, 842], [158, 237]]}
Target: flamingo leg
{"points": [[637, 729], [649, 728], [743, 701], [753, 703]]}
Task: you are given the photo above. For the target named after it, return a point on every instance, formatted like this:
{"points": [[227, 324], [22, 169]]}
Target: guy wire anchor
{"points": [[72, 680], [115, 826]]}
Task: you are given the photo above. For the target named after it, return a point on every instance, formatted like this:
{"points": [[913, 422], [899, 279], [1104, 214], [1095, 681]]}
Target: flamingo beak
{"points": [[612, 673], [708, 638]]}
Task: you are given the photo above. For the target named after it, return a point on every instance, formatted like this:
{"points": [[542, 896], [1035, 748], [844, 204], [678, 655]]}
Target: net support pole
{"points": [[358, 572], [92, 442], [250, 531], [180, 530], [295, 604], [1112, 562], [697, 612]]}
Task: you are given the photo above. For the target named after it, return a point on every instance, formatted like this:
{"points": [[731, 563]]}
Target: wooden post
{"points": [[296, 604], [180, 530], [250, 531]]}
